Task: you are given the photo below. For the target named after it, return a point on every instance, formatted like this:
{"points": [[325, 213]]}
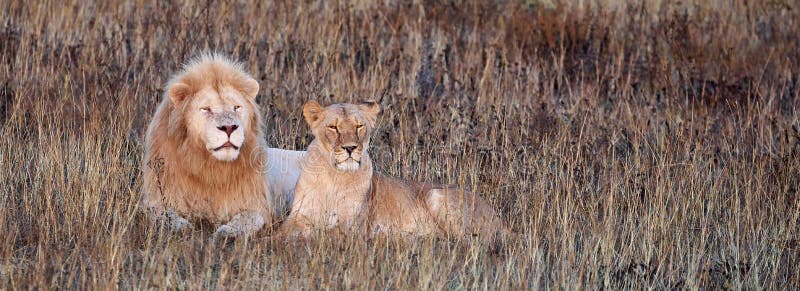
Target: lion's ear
{"points": [[250, 87], [178, 92], [311, 111], [370, 107]]}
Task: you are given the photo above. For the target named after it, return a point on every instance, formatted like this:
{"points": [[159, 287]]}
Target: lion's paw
{"points": [[176, 222], [226, 231]]}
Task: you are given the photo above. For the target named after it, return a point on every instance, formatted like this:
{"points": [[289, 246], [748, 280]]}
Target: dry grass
{"points": [[631, 146]]}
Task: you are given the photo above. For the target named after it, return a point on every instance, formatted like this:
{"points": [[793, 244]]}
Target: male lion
{"points": [[338, 187], [205, 153]]}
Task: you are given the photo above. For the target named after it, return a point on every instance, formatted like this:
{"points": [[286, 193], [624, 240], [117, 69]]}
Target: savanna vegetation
{"points": [[629, 144]]}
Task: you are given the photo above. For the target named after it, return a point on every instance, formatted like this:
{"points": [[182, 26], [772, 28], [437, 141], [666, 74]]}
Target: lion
{"points": [[338, 187], [205, 152], [284, 170]]}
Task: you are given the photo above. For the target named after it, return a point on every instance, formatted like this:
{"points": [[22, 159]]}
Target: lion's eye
{"points": [[205, 110], [360, 126], [237, 108], [332, 127]]}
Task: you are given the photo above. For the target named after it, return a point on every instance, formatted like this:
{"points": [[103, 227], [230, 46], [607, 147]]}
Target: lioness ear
{"points": [[178, 92], [311, 111], [250, 87], [370, 106]]}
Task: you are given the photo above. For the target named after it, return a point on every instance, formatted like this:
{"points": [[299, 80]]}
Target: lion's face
{"points": [[343, 130], [214, 109], [219, 118]]}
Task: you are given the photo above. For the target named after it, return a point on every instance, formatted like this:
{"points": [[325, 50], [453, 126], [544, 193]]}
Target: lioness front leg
{"points": [[295, 228], [244, 223]]}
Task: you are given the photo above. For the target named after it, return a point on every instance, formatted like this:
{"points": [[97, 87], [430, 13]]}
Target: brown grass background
{"points": [[631, 145]]}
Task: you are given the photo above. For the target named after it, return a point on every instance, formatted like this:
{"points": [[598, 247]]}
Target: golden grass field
{"points": [[629, 146]]}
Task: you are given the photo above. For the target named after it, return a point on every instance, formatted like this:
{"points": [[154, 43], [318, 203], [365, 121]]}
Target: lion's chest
{"points": [[217, 204]]}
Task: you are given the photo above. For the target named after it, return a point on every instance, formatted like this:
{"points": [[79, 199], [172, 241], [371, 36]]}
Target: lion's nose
{"points": [[349, 149], [228, 129]]}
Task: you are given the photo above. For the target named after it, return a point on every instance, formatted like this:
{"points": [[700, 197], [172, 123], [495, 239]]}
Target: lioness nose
{"points": [[228, 129], [349, 149]]}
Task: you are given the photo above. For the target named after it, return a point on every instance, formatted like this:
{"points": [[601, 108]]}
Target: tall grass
{"points": [[630, 145]]}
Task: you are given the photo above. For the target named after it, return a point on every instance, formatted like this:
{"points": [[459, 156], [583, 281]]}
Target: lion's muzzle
{"points": [[224, 136]]}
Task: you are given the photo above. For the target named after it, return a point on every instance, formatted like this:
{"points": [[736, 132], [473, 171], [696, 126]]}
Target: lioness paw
{"points": [[295, 236]]}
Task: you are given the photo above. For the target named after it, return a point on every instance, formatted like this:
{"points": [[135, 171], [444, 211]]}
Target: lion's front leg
{"points": [[244, 223], [153, 201], [168, 216], [175, 221]]}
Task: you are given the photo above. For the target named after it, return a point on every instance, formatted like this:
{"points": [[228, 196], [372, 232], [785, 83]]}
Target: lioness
{"points": [[205, 152], [339, 188]]}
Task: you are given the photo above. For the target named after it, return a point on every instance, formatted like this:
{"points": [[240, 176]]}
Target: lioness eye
{"points": [[205, 110], [237, 108], [360, 126], [332, 127]]}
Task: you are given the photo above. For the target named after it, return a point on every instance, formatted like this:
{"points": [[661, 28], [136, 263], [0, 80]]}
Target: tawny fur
{"points": [[329, 195], [182, 178]]}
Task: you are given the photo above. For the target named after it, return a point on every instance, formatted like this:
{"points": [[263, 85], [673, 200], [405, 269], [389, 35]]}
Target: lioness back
{"points": [[399, 207], [462, 212]]}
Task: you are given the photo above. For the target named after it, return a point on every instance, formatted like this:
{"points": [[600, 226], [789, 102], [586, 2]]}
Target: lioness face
{"points": [[343, 130], [219, 118]]}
